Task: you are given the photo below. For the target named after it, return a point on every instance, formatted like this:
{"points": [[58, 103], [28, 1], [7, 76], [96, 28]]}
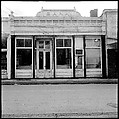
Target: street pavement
{"points": [[60, 101]]}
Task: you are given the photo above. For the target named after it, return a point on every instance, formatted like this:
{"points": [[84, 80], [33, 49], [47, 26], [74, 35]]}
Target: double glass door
{"points": [[44, 63], [44, 60]]}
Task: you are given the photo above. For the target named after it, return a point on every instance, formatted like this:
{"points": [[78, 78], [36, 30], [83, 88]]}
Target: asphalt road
{"points": [[57, 101]]}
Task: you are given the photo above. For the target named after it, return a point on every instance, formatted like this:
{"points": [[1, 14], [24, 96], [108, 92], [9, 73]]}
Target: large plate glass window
{"points": [[93, 57], [24, 59], [64, 58]]}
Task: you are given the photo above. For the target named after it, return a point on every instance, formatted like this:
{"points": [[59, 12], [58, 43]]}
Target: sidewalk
{"points": [[59, 81]]}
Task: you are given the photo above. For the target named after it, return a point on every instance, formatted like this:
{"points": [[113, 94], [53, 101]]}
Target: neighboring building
{"points": [[60, 43]]}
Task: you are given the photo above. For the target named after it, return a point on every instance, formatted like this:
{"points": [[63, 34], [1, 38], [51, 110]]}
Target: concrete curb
{"points": [[63, 115], [58, 81]]}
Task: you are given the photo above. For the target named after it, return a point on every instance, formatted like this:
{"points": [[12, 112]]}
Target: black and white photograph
{"points": [[59, 59]]}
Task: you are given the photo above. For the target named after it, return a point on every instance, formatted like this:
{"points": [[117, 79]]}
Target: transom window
{"points": [[55, 21], [68, 21], [41, 44], [49, 21], [63, 43], [44, 44], [74, 21], [61, 21], [29, 21], [23, 21], [36, 21], [42, 21], [23, 42], [80, 21], [93, 21], [47, 44], [93, 42]]}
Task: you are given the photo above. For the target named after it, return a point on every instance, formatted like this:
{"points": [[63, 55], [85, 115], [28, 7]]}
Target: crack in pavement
{"points": [[112, 105]]}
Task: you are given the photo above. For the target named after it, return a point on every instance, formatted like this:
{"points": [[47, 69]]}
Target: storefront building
{"points": [[59, 44]]}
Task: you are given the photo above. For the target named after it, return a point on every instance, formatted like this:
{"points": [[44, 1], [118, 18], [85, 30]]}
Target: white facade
{"points": [[59, 43]]}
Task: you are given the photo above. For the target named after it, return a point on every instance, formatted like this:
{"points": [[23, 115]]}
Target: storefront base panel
{"points": [[4, 74], [79, 73], [43, 74], [59, 73], [64, 73], [24, 74], [93, 73]]}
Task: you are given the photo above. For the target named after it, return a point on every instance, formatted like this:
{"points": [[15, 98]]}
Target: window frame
{"points": [[64, 43], [94, 41], [69, 55], [23, 49], [71, 47], [23, 43], [95, 47]]}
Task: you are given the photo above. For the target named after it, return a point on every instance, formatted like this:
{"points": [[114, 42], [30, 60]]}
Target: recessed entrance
{"points": [[44, 56], [112, 63]]}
